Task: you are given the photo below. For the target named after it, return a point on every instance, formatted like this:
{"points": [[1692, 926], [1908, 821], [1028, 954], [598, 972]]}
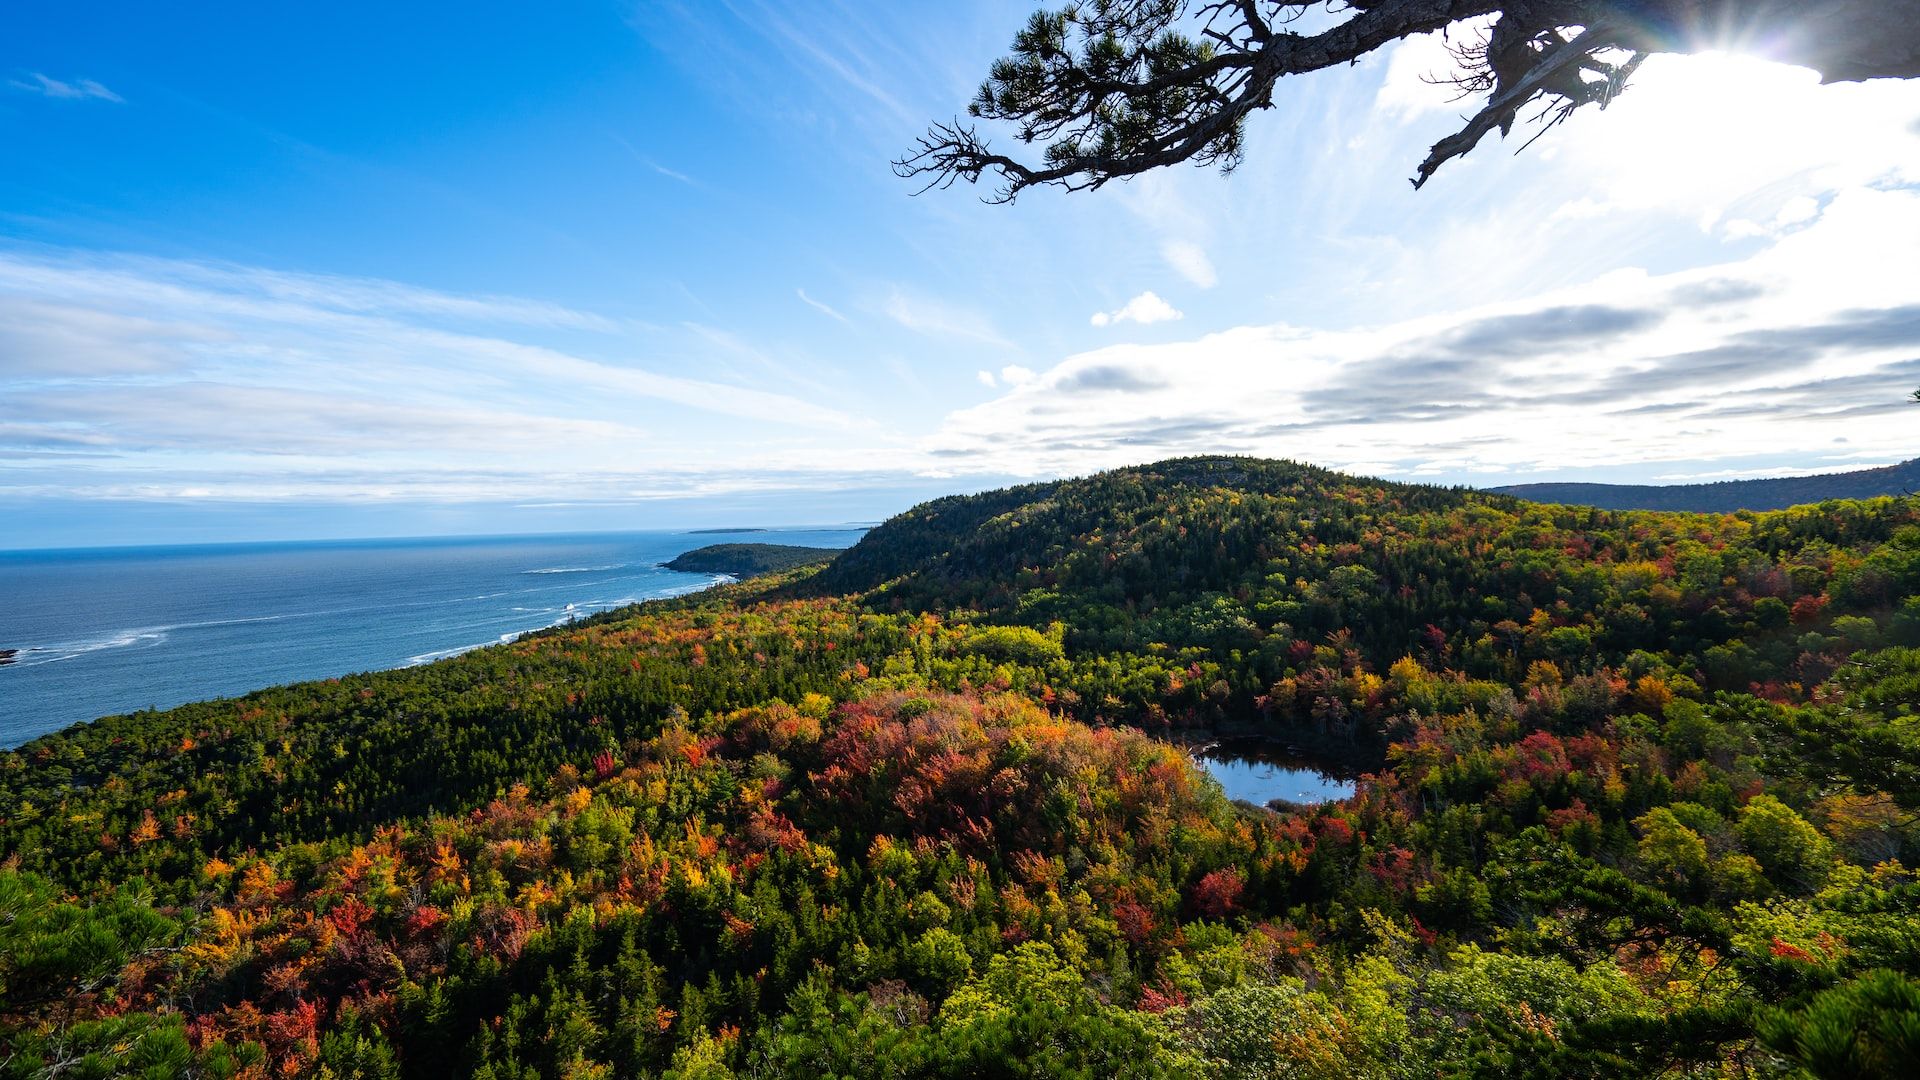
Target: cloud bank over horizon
{"points": [[140, 378], [1814, 344]]}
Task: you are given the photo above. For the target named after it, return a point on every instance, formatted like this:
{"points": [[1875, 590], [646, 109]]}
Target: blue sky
{"points": [[399, 269]]}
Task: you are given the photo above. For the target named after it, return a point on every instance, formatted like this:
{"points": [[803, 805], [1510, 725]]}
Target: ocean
{"points": [[112, 630]]}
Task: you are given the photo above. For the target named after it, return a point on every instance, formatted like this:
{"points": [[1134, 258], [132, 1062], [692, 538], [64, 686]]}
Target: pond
{"points": [[1261, 771]]}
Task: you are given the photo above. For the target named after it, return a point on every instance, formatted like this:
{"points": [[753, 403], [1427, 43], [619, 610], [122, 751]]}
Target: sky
{"points": [[278, 271]]}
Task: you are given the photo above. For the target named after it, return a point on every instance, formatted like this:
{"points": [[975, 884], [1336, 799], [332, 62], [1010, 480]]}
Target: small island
{"points": [[749, 560]]}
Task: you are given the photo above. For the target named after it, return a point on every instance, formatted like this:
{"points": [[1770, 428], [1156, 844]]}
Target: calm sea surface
{"points": [[113, 630]]}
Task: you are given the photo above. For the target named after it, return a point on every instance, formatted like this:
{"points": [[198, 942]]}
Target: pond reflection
{"points": [[1261, 771]]}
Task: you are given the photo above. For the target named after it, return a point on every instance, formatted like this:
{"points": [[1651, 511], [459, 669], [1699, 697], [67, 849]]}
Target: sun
{"points": [[1710, 133], [1698, 106]]}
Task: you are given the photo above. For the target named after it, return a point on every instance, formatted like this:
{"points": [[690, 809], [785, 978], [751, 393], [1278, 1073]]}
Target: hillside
{"points": [[748, 560], [1643, 804], [1730, 495]]}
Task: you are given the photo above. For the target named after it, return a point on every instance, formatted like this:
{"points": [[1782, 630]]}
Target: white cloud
{"points": [[1694, 144], [120, 282], [78, 89], [1766, 473], [1416, 73], [1144, 309], [1795, 211], [1190, 261], [1732, 135], [1011, 376], [1815, 336], [47, 338]]}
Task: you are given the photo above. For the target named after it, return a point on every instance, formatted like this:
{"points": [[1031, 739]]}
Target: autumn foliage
{"points": [[1636, 801]]}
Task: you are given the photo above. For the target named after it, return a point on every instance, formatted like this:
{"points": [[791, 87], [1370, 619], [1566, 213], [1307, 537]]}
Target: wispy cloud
{"points": [[210, 373], [1418, 71], [121, 282], [672, 174], [820, 307], [76, 90], [649, 162], [940, 319], [850, 67], [1143, 309], [1190, 261]]}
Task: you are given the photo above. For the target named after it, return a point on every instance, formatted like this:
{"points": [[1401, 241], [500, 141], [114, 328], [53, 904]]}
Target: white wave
{"points": [[564, 615], [256, 619], [502, 639], [684, 590], [143, 637], [444, 654], [35, 655], [575, 569]]}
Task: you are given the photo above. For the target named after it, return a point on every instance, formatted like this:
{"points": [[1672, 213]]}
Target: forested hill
{"points": [[921, 537], [1645, 803], [979, 544], [749, 560], [1729, 495]]}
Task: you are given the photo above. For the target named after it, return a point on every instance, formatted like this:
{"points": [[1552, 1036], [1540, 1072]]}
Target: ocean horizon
{"points": [[100, 631]]}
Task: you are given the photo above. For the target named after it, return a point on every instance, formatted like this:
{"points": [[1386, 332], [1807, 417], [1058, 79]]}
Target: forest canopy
{"points": [[1638, 802]]}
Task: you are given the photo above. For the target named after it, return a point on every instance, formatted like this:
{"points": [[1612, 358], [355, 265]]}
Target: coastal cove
{"points": [[102, 631]]}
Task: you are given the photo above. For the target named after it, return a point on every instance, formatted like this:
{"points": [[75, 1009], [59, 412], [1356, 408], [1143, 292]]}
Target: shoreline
{"points": [[14, 658]]}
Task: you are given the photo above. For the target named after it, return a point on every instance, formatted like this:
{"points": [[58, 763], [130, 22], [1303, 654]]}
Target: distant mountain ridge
{"points": [[1775, 493]]}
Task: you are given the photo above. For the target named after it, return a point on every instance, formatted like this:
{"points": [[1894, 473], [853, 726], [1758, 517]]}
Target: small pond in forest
{"points": [[1260, 771]]}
